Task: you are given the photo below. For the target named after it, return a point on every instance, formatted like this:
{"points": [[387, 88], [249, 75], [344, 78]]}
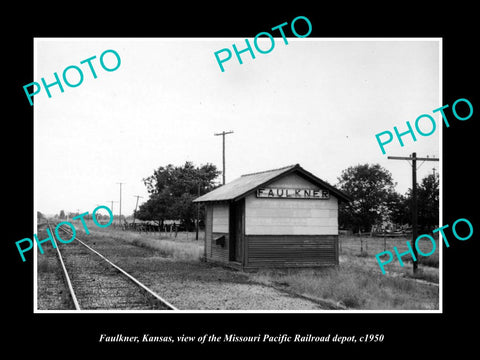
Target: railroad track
{"points": [[96, 283]]}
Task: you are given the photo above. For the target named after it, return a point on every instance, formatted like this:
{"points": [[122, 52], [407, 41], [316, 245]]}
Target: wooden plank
{"points": [[285, 259], [289, 252], [317, 222], [208, 231], [291, 244], [220, 253], [326, 259], [290, 216], [319, 259], [285, 237], [291, 248], [290, 264], [293, 239], [252, 202], [286, 250], [291, 230], [244, 245], [294, 181], [291, 212], [220, 219]]}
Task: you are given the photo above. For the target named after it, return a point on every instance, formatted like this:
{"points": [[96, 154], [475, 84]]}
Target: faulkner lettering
{"points": [[290, 193]]}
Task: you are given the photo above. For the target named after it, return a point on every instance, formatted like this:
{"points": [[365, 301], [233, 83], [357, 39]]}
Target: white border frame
{"points": [[436, 311]]}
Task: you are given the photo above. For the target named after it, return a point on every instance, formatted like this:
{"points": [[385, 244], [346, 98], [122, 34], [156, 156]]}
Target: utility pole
{"points": [[96, 205], [414, 159], [135, 212], [120, 211], [198, 212], [223, 133], [111, 207]]}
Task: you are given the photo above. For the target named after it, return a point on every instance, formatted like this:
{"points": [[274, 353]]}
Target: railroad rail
{"points": [[79, 280]]}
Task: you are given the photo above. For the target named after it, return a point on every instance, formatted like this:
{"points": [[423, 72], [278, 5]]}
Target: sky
{"points": [[316, 102]]}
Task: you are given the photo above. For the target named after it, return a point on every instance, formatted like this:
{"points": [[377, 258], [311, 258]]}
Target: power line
{"points": [[223, 133]]}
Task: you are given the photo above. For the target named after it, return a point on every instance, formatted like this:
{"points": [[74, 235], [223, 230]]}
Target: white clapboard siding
{"points": [[220, 218], [291, 230], [274, 203], [294, 211], [293, 181], [293, 221], [264, 216]]}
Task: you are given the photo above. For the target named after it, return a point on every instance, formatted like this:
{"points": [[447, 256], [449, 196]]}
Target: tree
{"points": [[427, 203], [157, 208], [172, 190], [62, 214], [399, 210], [372, 189]]}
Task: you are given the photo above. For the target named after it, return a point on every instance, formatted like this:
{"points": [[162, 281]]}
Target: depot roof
{"points": [[246, 184]]}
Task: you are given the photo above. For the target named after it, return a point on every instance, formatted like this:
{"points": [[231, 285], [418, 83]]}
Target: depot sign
{"points": [[289, 193]]}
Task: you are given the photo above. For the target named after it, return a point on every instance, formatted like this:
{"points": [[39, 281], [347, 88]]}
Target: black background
{"points": [[406, 334]]}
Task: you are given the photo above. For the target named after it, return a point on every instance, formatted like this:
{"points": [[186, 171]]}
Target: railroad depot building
{"points": [[285, 217]]}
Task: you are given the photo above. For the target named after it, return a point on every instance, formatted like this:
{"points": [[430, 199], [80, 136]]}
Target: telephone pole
{"points": [[135, 212], [120, 211], [111, 206], [198, 212], [223, 133], [414, 159]]}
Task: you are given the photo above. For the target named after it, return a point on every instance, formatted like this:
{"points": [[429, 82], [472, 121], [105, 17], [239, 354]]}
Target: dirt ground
{"points": [[191, 285], [201, 286]]}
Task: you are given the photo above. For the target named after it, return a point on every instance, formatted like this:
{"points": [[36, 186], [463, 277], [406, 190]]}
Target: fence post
{"points": [[361, 242]]}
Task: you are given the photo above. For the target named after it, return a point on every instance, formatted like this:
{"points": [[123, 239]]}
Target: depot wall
{"points": [[282, 232], [280, 216], [258, 232]]}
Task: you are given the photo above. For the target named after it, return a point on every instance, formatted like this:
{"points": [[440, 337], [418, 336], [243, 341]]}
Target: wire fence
{"points": [[368, 246]]}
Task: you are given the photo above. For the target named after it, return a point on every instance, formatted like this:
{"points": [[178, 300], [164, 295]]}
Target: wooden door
{"points": [[236, 231]]}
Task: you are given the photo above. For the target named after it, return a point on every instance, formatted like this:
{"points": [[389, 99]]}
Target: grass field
{"points": [[370, 246], [182, 247], [357, 283]]}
